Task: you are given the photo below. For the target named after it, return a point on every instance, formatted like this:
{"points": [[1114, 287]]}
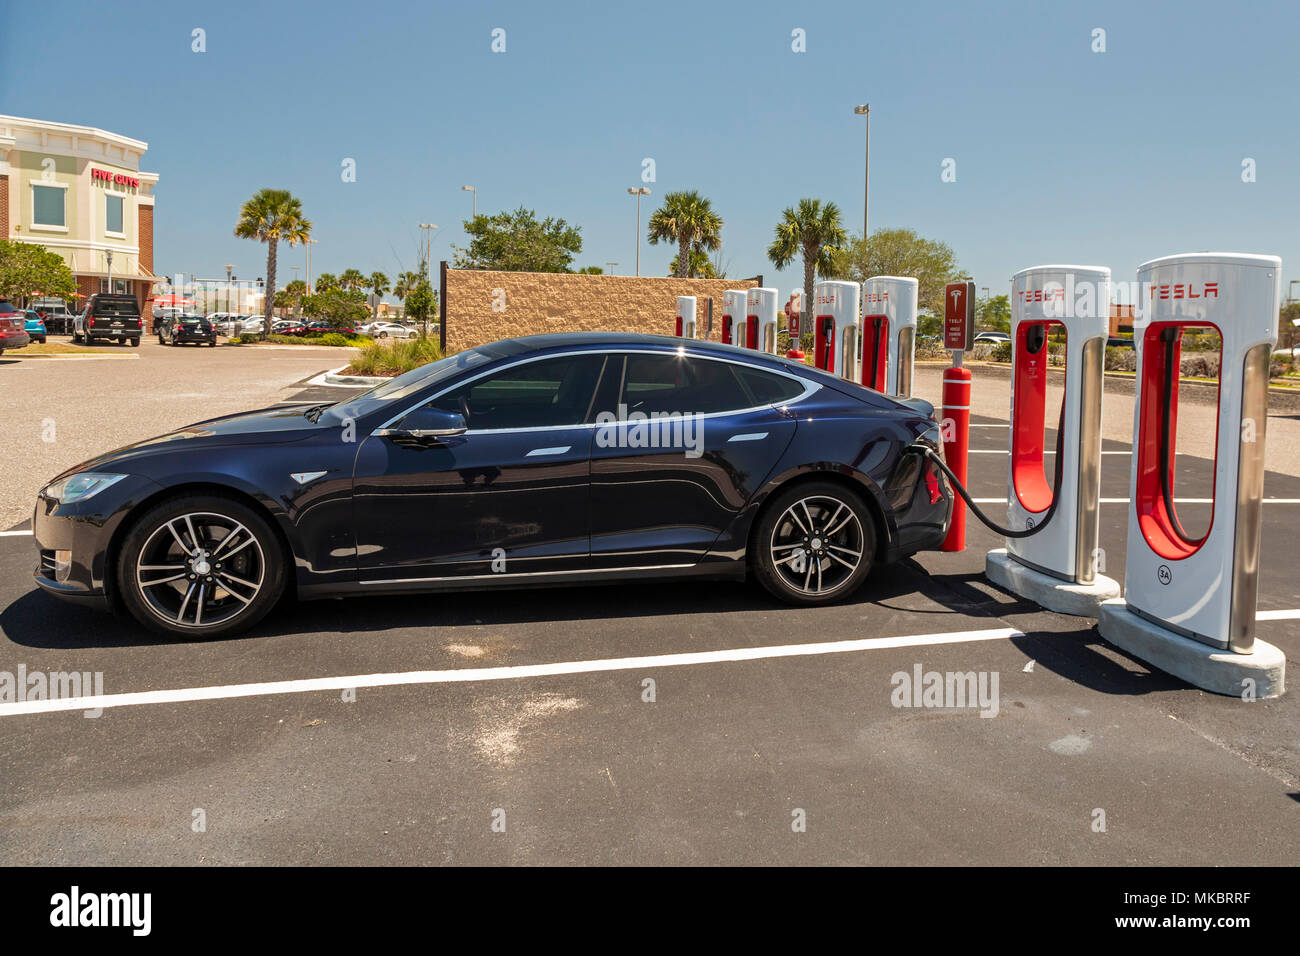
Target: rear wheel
{"points": [[135, 342], [200, 566], [814, 543]]}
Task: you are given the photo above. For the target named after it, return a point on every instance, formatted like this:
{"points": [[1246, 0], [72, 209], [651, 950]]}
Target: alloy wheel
{"points": [[817, 544], [200, 570]]}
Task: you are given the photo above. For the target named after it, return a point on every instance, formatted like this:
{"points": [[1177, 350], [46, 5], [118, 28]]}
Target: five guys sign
{"points": [[958, 315], [122, 179]]}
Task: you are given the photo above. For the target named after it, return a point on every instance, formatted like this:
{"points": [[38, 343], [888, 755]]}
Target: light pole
{"points": [[308, 243], [865, 110], [228, 268], [428, 228], [474, 190], [638, 192], [108, 258], [611, 266]]}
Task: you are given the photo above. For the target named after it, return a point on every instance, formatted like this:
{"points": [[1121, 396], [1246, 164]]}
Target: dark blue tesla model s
{"points": [[546, 460]]}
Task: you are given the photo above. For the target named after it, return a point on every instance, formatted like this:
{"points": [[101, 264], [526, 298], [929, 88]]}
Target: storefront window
{"points": [[47, 206], [113, 214]]}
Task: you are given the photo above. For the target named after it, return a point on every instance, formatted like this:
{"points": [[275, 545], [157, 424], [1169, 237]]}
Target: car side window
{"points": [[675, 384], [541, 394], [769, 389]]}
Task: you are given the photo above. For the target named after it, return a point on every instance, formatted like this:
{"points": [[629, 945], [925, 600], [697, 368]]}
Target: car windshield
{"points": [[408, 383]]}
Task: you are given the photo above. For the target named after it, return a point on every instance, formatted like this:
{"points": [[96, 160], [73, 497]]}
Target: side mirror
{"points": [[426, 423]]}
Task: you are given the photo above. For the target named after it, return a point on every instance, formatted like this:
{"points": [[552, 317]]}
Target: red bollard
{"points": [[956, 442]]}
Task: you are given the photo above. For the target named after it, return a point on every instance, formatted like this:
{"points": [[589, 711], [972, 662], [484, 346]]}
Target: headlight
{"points": [[79, 487]]}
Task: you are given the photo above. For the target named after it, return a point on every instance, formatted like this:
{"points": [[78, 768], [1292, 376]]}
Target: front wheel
{"points": [[814, 543], [200, 566]]}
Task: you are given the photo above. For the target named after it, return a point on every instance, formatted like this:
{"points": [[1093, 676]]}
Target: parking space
{"points": [[658, 723]]}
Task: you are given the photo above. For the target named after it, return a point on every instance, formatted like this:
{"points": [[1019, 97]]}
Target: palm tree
{"points": [[351, 280], [406, 284], [378, 283], [272, 216], [813, 228], [327, 282], [701, 266], [688, 219]]}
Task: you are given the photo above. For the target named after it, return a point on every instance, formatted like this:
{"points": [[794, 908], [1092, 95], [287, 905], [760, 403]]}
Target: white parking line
{"points": [[471, 674], [1290, 614], [11, 534]]}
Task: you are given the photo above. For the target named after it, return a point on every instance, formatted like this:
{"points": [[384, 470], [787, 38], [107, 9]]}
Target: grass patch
{"points": [[393, 358], [61, 348], [335, 339]]}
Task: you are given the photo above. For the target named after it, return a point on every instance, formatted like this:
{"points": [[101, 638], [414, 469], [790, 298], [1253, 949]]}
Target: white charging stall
{"points": [[733, 317], [685, 317], [1190, 598], [1058, 565], [889, 333], [835, 327], [760, 320]]}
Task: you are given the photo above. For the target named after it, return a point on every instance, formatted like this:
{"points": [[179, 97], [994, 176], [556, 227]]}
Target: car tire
{"points": [[382, 335], [135, 342], [160, 543], [814, 543]]}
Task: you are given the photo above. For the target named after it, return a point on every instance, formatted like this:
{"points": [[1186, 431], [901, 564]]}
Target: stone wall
{"points": [[484, 306]]}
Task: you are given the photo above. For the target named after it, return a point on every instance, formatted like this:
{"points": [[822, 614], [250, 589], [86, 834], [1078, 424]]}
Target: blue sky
{"points": [[1062, 154]]}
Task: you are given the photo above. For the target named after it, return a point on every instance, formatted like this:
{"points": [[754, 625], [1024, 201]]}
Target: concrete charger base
{"points": [[1081, 600], [1206, 667]]}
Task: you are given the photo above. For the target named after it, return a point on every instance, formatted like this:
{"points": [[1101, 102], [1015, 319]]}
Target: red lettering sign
{"points": [[958, 315]]}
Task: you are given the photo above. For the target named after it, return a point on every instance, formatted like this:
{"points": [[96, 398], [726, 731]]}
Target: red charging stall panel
{"points": [[875, 350]]}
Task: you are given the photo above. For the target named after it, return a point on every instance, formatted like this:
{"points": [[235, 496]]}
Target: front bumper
{"points": [[86, 530]]}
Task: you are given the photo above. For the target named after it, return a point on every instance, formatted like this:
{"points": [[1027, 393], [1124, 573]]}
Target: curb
{"points": [[332, 377]]}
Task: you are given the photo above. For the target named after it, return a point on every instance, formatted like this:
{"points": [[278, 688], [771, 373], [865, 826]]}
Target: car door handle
{"points": [[556, 450], [749, 436]]}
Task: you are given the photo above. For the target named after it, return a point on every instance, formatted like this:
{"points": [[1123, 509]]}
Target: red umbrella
{"points": [[172, 299]]}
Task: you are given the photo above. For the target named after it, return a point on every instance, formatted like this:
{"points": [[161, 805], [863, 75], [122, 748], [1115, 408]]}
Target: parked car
{"points": [[34, 325], [287, 327], [181, 329], [319, 327], [1119, 342], [252, 325], [109, 315], [13, 335], [991, 338], [525, 449], [384, 330], [54, 312]]}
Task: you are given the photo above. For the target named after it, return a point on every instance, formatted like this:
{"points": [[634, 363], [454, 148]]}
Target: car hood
{"points": [[276, 424]]}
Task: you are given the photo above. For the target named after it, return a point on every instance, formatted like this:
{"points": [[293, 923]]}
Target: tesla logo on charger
{"points": [[1042, 295], [877, 297], [1185, 290]]}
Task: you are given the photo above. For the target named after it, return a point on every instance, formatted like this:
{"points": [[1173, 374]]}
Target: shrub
{"points": [[1001, 352], [1120, 359], [1200, 365], [931, 349], [336, 339], [396, 357]]}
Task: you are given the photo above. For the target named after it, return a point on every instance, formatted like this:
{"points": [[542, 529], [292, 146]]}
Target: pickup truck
{"points": [[109, 315]]}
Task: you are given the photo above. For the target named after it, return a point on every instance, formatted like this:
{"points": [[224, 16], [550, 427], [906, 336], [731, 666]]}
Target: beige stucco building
{"points": [[80, 192]]}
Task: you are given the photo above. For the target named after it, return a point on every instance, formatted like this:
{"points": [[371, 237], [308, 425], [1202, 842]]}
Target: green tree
{"points": [[688, 219], [406, 283], [518, 242], [326, 282], [27, 268], [272, 216], [337, 307], [812, 229], [590, 271], [701, 266], [901, 252], [994, 314], [420, 304], [378, 285], [352, 280]]}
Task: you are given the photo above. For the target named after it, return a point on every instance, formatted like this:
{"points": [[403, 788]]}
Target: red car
{"points": [[13, 327]]}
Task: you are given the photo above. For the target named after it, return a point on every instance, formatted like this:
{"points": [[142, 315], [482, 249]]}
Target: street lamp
{"points": [[108, 258], [228, 277], [474, 190], [611, 266], [865, 110], [428, 228], [638, 192]]}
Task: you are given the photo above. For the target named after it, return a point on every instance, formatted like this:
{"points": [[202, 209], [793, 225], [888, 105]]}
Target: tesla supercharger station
{"points": [[733, 315], [685, 317], [794, 317], [889, 334], [760, 320], [835, 327], [1190, 601], [1058, 566]]}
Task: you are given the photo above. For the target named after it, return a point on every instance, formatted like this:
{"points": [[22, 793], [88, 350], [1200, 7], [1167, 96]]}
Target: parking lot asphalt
{"points": [[586, 734]]}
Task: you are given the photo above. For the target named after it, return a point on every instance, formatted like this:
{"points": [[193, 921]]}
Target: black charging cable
{"points": [[1036, 338]]}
